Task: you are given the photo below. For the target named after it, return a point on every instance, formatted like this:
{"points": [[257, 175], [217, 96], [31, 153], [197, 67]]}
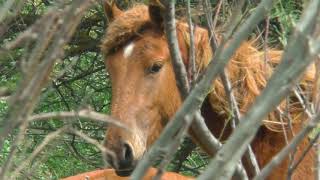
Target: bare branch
{"points": [[85, 113], [285, 151], [192, 56], [177, 62], [294, 166], [278, 87], [200, 91], [249, 155], [36, 152], [26, 97], [91, 141]]}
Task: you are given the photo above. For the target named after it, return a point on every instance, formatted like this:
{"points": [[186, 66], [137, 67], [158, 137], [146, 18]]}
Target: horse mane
{"points": [[247, 70]]}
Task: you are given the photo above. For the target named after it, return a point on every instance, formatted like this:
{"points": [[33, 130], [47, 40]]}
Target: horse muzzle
{"points": [[123, 160]]}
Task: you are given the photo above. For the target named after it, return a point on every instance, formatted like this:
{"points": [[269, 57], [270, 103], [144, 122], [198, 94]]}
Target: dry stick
{"points": [[187, 150], [103, 150], [295, 165], [215, 21], [9, 11], [298, 93], [75, 153], [291, 67], [45, 37], [316, 102], [26, 97], [5, 9], [282, 123], [177, 62], [30, 173], [192, 56], [235, 18], [317, 161], [213, 40], [16, 97], [92, 141], [202, 88], [172, 147], [85, 113], [45, 33], [212, 143], [13, 150], [306, 108], [32, 32], [288, 116], [180, 74], [4, 91], [199, 127], [249, 155], [180, 71], [265, 47], [293, 145], [37, 151]]}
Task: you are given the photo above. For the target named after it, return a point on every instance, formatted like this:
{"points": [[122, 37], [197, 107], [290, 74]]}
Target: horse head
{"points": [[144, 91]]}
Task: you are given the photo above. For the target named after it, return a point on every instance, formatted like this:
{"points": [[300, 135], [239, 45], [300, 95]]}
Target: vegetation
{"points": [[79, 81]]}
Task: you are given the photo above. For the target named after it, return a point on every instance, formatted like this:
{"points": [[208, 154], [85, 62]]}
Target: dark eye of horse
{"points": [[156, 67]]}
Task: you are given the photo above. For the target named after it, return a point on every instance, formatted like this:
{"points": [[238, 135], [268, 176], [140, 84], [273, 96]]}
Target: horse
{"points": [[109, 174], [145, 95]]}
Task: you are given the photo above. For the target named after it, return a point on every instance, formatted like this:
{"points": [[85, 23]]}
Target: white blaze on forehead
{"points": [[128, 49]]}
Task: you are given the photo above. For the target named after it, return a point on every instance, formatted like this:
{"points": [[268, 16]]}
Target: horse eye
{"points": [[155, 68]]}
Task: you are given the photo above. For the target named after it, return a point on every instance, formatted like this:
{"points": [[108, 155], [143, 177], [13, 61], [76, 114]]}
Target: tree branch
{"points": [[200, 91], [291, 67]]}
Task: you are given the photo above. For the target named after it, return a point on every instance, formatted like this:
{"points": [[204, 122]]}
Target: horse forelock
{"points": [[124, 28]]}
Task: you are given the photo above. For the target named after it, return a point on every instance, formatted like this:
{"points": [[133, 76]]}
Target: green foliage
{"points": [[79, 81], [285, 15]]}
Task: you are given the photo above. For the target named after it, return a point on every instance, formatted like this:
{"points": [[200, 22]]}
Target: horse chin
{"points": [[124, 173]]}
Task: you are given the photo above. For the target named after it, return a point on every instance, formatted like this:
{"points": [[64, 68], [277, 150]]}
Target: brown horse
{"points": [[145, 95]]}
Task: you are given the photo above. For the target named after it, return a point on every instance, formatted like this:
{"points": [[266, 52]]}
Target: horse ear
{"points": [[111, 10], [155, 12]]}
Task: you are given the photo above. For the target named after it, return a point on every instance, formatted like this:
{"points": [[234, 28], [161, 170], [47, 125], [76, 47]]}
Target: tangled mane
{"points": [[249, 73], [247, 70]]}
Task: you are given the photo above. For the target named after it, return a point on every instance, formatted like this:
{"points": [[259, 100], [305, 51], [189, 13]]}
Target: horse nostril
{"points": [[127, 153]]}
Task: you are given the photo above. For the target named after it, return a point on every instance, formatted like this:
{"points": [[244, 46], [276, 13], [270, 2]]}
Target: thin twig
{"points": [[192, 56], [26, 97], [279, 85], [316, 98], [85, 113], [177, 62], [276, 160], [36, 152], [91, 141], [249, 155], [294, 166], [13, 150], [215, 21], [200, 91]]}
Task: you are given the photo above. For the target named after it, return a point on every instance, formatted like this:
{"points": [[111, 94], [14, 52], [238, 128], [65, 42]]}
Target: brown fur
{"points": [[109, 174], [248, 74]]}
